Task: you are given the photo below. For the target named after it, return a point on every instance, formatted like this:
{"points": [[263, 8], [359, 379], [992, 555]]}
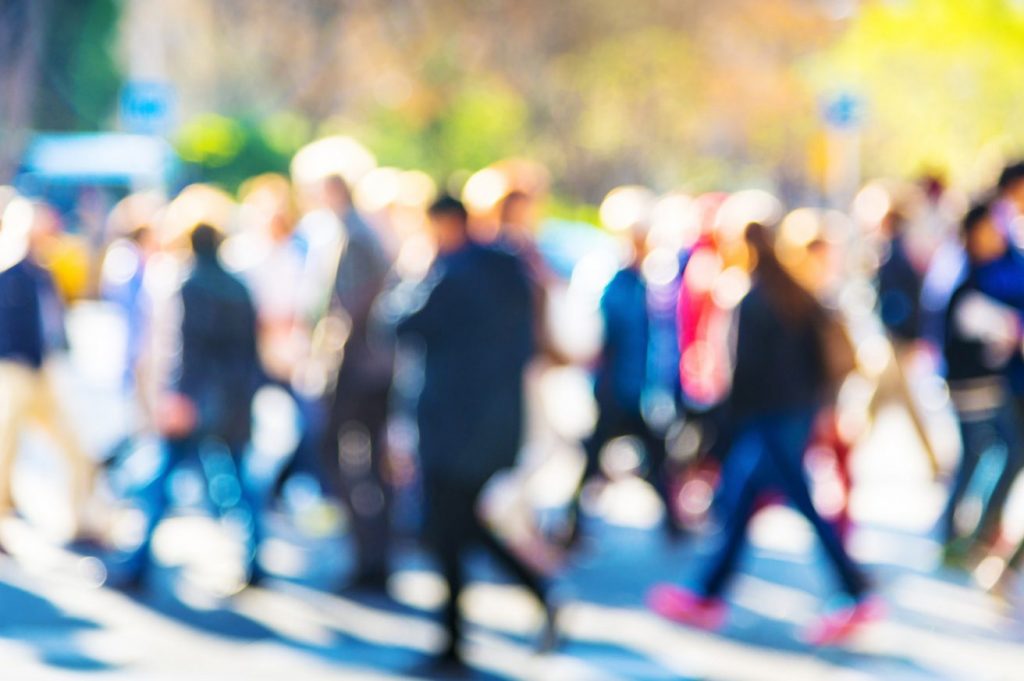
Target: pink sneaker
{"points": [[839, 625], [685, 607]]}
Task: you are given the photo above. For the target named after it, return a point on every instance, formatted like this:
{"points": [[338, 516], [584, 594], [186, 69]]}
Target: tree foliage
{"points": [[940, 79]]}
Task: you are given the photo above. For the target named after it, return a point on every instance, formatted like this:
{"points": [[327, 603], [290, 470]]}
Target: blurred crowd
{"points": [[356, 334]]}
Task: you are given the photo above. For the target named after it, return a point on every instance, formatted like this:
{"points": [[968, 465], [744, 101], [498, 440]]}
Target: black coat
{"points": [[218, 366], [780, 365], [476, 327]]}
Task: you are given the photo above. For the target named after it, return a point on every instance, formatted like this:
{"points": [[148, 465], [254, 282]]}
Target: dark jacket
{"points": [[21, 322], [899, 293], [967, 357], [477, 335], [218, 367], [362, 274], [779, 366], [621, 375]]}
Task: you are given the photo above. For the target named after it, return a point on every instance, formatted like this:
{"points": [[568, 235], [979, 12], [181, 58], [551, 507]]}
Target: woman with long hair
{"points": [[780, 380]]}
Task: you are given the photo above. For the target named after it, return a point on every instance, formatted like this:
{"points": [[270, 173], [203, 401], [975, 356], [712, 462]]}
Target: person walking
{"points": [[205, 410], [476, 330], [780, 379], [31, 329], [355, 447], [623, 382], [982, 339]]}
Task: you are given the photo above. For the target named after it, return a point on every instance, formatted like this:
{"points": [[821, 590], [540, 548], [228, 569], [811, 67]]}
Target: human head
{"points": [[517, 209], [894, 223], [205, 241], [792, 301], [337, 194], [1011, 184], [983, 239], [269, 199], [449, 223]]}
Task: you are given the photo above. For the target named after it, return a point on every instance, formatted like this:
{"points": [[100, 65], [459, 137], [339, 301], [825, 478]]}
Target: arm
{"points": [[1003, 280], [424, 308]]}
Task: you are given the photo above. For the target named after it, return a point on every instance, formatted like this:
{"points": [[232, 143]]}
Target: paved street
{"points": [[56, 623]]}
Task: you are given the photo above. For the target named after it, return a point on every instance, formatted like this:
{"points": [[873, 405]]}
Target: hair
{"points": [[338, 183], [895, 222], [1011, 175], [448, 206], [511, 199], [787, 296], [974, 217], [205, 241]]}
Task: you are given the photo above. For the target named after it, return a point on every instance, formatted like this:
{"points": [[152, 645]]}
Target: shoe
{"points": [[375, 582], [685, 607], [88, 544], [675, 531], [256, 576], [447, 665], [129, 580], [839, 625], [549, 637]]}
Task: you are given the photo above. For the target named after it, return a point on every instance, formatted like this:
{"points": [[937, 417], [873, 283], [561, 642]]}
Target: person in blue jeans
{"points": [[982, 335], [207, 411], [780, 380]]}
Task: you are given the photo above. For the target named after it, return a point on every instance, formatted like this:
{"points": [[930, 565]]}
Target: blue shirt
{"points": [[21, 322]]}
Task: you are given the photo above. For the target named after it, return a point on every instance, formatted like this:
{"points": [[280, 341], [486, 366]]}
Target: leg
{"points": [[606, 428], [741, 481], [448, 526], [48, 414], [1007, 429], [307, 456], [509, 561], [234, 490], [373, 494], [255, 496], [785, 449], [355, 458], [902, 355], [974, 438], [657, 474], [15, 403], [154, 500]]}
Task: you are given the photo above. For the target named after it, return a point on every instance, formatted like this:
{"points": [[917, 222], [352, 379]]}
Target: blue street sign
{"points": [[147, 107], [844, 110]]}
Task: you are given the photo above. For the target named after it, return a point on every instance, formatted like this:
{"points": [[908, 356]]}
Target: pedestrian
{"points": [[982, 338], [623, 382], [899, 286], [31, 331], [476, 330], [205, 409], [780, 379], [355, 447]]}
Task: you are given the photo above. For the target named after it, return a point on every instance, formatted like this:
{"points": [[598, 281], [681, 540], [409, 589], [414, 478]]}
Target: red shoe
{"points": [[838, 626], [685, 607]]}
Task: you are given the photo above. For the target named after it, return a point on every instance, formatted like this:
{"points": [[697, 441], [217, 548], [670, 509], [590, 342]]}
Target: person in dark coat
{"points": [[982, 338], [355, 449], [207, 411], [899, 287], [780, 376], [476, 330]]}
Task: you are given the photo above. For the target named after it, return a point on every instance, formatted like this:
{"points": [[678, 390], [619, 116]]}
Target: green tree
{"points": [[940, 79]]}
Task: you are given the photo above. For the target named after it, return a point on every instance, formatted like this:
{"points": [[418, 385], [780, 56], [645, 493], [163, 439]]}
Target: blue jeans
{"points": [[767, 454], [231, 488], [999, 428]]}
